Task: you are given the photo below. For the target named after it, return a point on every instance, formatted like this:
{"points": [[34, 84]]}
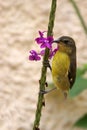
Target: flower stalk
{"points": [[42, 82]]}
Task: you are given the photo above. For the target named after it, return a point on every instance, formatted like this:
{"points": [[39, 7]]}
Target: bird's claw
{"points": [[43, 92]]}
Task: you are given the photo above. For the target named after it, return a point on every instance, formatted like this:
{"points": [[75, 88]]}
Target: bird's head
{"points": [[66, 44]]}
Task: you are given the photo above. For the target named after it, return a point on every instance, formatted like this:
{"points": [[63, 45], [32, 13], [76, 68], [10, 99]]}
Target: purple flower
{"points": [[44, 41], [42, 52], [34, 55]]}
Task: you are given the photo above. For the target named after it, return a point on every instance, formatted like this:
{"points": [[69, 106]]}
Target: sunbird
{"points": [[64, 64]]}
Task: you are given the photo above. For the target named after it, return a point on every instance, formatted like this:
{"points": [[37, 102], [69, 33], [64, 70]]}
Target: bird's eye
{"points": [[66, 41]]}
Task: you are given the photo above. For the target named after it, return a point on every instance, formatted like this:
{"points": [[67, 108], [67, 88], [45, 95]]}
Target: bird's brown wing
{"points": [[72, 72]]}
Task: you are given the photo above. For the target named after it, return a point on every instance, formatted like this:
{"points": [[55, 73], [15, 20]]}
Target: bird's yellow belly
{"points": [[60, 68]]}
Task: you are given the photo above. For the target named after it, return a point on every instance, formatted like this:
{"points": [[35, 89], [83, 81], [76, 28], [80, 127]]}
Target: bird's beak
{"points": [[57, 41]]}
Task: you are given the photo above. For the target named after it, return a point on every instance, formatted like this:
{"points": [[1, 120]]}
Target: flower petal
{"points": [[41, 33], [42, 52], [34, 55]]}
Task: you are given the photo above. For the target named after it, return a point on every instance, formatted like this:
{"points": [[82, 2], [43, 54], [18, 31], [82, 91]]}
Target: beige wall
{"points": [[20, 21]]}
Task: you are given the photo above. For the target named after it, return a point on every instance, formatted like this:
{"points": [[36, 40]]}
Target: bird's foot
{"points": [[48, 91]]}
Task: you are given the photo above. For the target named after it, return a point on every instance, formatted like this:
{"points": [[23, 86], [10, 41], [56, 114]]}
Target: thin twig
{"points": [[42, 82], [79, 15]]}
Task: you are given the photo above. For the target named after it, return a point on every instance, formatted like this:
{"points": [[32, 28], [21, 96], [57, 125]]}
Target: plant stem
{"points": [[42, 82], [79, 15]]}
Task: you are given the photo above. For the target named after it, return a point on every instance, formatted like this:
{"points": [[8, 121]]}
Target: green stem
{"points": [[79, 15], [40, 103]]}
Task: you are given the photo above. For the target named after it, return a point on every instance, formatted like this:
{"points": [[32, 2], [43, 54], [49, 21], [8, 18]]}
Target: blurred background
{"points": [[20, 21]]}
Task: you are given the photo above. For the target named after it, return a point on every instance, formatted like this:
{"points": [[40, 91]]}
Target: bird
{"points": [[64, 64]]}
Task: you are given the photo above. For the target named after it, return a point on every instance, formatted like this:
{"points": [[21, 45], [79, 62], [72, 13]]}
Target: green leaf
{"points": [[80, 83], [81, 71], [82, 122]]}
